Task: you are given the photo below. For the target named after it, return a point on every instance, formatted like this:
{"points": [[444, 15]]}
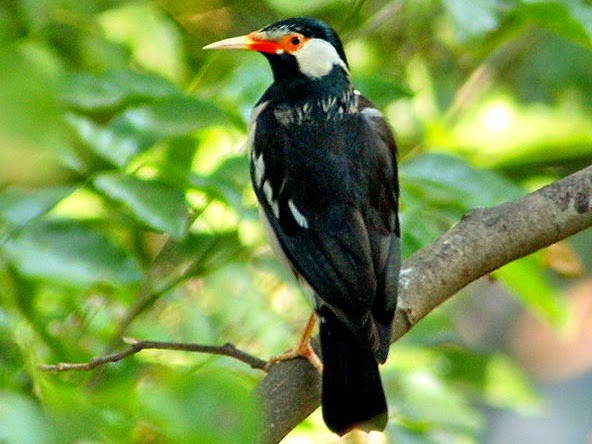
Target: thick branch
{"points": [[481, 242]]}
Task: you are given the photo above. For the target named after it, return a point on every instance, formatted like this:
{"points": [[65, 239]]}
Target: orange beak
{"points": [[255, 41]]}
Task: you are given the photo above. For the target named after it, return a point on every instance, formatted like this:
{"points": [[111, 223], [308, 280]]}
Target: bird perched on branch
{"points": [[324, 171]]}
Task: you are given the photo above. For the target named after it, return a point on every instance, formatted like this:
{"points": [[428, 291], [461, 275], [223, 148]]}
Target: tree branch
{"points": [[136, 346], [484, 240]]}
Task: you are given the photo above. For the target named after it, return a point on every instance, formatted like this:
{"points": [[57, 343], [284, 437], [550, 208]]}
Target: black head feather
{"points": [[309, 27]]}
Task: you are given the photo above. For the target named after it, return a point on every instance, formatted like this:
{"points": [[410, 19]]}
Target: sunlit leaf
{"points": [[436, 329], [172, 116], [18, 206], [211, 251], [138, 128], [204, 407], [475, 18], [419, 230], [22, 421], [494, 378], [472, 187], [508, 386], [153, 203], [431, 404], [70, 253], [526, 278], [197, 254], [150, 35], [114, 89], [504, 133], [299, 8], [176, 163], [227, 182], [117, 147], [382, 91], [28, 74], [79, 416], [437, 190], [571, 19], [466, 367], [32, 132]]}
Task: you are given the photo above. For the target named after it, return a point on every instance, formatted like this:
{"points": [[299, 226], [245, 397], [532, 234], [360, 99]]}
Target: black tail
{"points": [[352, 391]]}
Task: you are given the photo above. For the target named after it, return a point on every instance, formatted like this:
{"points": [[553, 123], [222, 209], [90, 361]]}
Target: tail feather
{"points": [[352, 395]]}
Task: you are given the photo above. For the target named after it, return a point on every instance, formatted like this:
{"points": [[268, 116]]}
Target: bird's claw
{"points": [[302, 351]]}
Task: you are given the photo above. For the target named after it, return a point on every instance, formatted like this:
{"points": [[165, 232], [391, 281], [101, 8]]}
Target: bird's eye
{"points": [[293, 42]]}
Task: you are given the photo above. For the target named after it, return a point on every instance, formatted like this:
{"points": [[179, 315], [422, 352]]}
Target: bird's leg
{"points": [[303, 349]]}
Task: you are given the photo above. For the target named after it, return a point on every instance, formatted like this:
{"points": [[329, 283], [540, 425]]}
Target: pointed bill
{"points": [[242, 42], [254, 41]]}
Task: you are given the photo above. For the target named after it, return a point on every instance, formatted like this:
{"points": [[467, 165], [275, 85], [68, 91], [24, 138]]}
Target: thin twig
{"points": [[136, 346]]}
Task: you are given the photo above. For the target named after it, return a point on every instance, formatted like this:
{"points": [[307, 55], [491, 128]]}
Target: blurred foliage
{"points": [[125, 206]]}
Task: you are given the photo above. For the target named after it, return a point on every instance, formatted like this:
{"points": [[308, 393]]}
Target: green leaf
{"points": [[175, 165], [115, 146], [470, 187], [136, 129], [382, 90], [433, 330], [18, 206], [301, 7], [150, 35], [227, 182], [465, 367], [22, 422], [419, 230], [197, 254], [82, 416], [71, 253], [207, 407], [494, 378], [29, 111], [153, 203], [475, 18], [169, 117], [508, 386], [446, 188], [211, 251], [428, 403], [526, 278], [571, 19], [113, 89]]}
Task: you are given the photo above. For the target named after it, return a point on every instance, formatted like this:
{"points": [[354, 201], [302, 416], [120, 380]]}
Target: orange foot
{"points": [[304, 349]]}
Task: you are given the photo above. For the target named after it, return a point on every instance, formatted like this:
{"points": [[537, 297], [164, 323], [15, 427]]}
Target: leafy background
{"points": [[125, 209]]}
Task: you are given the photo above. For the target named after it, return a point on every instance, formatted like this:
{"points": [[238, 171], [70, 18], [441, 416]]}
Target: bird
{"points": [[324, 169]]}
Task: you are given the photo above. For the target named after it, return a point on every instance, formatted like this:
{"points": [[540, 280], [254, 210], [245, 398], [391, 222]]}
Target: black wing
{"points": [[328, 189]]}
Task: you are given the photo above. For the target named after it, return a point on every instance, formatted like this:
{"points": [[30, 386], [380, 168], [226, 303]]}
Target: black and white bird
{"points": [[324, 171]]}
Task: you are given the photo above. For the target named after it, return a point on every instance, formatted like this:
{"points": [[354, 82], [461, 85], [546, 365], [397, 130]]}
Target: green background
{"points": [[126, 209]]}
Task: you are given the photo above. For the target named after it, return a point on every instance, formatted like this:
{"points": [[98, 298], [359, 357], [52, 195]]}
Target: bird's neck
{"points": [[330, 94]]}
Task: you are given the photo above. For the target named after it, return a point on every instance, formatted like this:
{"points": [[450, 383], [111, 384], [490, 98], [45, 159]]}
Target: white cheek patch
{"points": [[317, 57]]}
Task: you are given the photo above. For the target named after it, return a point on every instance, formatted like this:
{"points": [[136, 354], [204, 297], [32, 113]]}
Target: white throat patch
{"points": [[317, 57]]}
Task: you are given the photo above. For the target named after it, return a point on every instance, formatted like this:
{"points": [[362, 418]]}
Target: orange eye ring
{"points": [[293, 42]]}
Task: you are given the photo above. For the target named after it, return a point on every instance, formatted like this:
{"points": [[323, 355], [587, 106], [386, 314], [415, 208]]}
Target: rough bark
{"points": [[484, 240]]}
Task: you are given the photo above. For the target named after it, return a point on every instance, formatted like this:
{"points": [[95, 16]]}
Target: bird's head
{"points": [[299, 46]]}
